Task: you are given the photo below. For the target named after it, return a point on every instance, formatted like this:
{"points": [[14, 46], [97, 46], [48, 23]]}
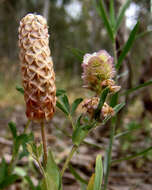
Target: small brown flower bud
{"points": [[107, 110], [38, 76]]}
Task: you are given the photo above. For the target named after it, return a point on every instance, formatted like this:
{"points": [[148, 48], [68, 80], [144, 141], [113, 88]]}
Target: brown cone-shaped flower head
{"points": [[38, 76]]}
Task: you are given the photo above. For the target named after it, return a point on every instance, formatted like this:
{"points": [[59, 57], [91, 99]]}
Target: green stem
{"points": [[43, 134], [109, 153], [27, 126], [43, 173], [73, 150]]}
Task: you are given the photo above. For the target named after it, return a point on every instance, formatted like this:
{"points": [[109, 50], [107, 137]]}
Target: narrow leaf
{"points": [[75, 105], [53, 173], [60, 92], [13, 129], [30, 183], [76, 175], [101, 102], [137, 87], [20, 89], [132, 156], [65, 102], [98, 173], [112, 13], [103, 15], [91, 182], [127, 46], [61, 107], [121, 14]]}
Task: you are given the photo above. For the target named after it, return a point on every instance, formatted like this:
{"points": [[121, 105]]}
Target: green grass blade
{"points": [[132, 156], [121, 14], [102, 12], [142, 34], [98, 173], [127, 46], [112, 13], [137, 87]]}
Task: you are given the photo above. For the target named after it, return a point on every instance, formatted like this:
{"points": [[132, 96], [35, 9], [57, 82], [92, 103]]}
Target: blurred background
{"points": [[76, 24]]}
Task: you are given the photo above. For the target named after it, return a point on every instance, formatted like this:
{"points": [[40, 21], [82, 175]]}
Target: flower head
{"points": [[38, 76], [97, 67]]}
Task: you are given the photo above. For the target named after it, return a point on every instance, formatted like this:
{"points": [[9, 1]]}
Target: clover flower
{"points": [[38, 76], [98, 68]]}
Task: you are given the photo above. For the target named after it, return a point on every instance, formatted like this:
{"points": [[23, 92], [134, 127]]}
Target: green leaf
{"points": [[39, 150], [77, 53], [53, 174], [13, 129], [132, 156], [65, 102], [91, 182], [103, 15], [30, 183], [114, 99], [81, 132], [3, 170], [76, 175], [62, 108], [75, 105], [112, 13], [127, 46], [121, 14], [8, 181], [20, 89], [98, 173], [101, 102], [137, 87], [18, 141], [60, 92]]}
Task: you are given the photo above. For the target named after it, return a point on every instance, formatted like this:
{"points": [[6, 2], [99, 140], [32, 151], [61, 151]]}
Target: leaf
{"points": [[112, 13], [103, 15], [65, 102], [13, 129], [91, 182], [81, 132], [132, 156], [114, 99], [101, 102], [60, 92], [18, 141], [53, 174], [127, 46], [30, 182], [20, 89], [142, 34], [75, 105], [62, 108], [39, 150], [8, 180], [78, 53], [76, 175], [137, 87], [121, 14], [3, 170], [98, 173]]}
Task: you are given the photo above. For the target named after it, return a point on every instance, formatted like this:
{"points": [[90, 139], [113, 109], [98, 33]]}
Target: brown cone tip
{"points": [[38, 76]]}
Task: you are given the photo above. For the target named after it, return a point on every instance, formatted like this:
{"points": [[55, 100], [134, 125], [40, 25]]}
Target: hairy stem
{"points": [[73, 150], [43, 134]]}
